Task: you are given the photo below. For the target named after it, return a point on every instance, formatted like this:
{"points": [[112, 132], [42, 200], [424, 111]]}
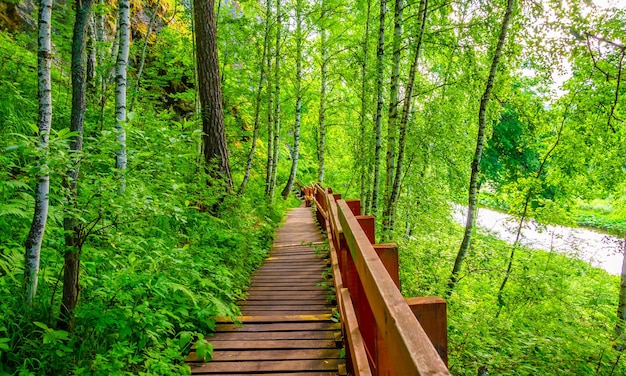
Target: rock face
{"points": [[18, 16]]}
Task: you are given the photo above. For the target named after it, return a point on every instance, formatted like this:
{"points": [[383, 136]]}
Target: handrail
{"points": [[391, 334]]}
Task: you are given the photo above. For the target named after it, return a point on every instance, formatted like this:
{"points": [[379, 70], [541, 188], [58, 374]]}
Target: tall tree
{"points": [[71, 225], [259, 96], [120, 89], [406, 110], [393, 115], [480, 140], [270, 123], [276, 117], [321, 140], [378, 127], [620, 326], [296, 130], [363, 118], [40, 216], [210, 87]]}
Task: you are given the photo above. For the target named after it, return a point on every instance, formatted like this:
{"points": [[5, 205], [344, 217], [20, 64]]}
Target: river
{"points": [[600, 250]]}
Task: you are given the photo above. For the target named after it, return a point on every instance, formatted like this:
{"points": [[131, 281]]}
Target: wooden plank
{"points": [[273, 326], [283, 312], [272, 344], [286, 288], [297, 354], [277, 318], [276, 307], [291, 302], [358, 355], [265, 366], [286, 294], [313, 373], [411, 350], [293, 334]]}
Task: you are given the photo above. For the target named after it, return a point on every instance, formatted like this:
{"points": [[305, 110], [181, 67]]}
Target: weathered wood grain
{"points": [[286, 325]]}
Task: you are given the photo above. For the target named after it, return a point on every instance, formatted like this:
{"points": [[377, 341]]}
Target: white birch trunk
{"points": [[621, 306], [380, 70], [35, 236], [120, 88]]}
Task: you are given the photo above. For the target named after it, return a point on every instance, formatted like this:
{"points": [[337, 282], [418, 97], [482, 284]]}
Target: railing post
{"points": [[355, 206], [430, 311]]}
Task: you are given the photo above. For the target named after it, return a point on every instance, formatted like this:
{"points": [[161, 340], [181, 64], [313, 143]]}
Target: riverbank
{"points": [[600, 250]]}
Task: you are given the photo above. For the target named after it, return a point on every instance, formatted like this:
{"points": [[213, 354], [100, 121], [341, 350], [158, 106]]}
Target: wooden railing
{"points": [[384, 333]]}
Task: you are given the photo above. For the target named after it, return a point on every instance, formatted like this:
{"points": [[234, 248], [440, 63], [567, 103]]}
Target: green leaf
{"points": [[184, 339], [204, 350]]}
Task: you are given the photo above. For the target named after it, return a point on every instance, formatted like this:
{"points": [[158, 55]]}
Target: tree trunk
{"points": [[120, 90], [529, 195], [73, 241], [259, 95], [276, 130], [40, 216], [406, 110], [91, 54], [270, 129], [380, 64], [393, 116], [321, 144], [296, 131], [214, 133], [364, 166], [480, 139], [621, 306]]}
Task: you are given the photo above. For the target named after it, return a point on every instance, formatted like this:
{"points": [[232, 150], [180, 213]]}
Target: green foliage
{"points": [[159, 263], [559, 316]]}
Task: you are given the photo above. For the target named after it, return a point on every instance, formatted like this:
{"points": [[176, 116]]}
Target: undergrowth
{"points": [[558, 315]]}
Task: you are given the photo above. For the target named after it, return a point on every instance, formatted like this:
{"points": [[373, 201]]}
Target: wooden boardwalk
{"points": [[288, 326]]}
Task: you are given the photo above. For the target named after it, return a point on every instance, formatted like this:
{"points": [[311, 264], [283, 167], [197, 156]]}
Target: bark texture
{"points": [[621, 306], [259, 96], [120, 89], [480, 140], [296, 131], [73, 233], [364, 165], [210, 88], [406, 110], [393, 117], [380, 64], [321, 142], [276, 130], [40, 216]]}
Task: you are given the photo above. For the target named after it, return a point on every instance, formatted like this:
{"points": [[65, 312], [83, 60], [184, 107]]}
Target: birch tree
{"points": [[71, 225], [393, 115], [380, 69], [321, 141], [259, 96], [480, 140], [120, 89], [363, 118], [296, 131], [40, 216], [276, 110], [406, 110]]}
